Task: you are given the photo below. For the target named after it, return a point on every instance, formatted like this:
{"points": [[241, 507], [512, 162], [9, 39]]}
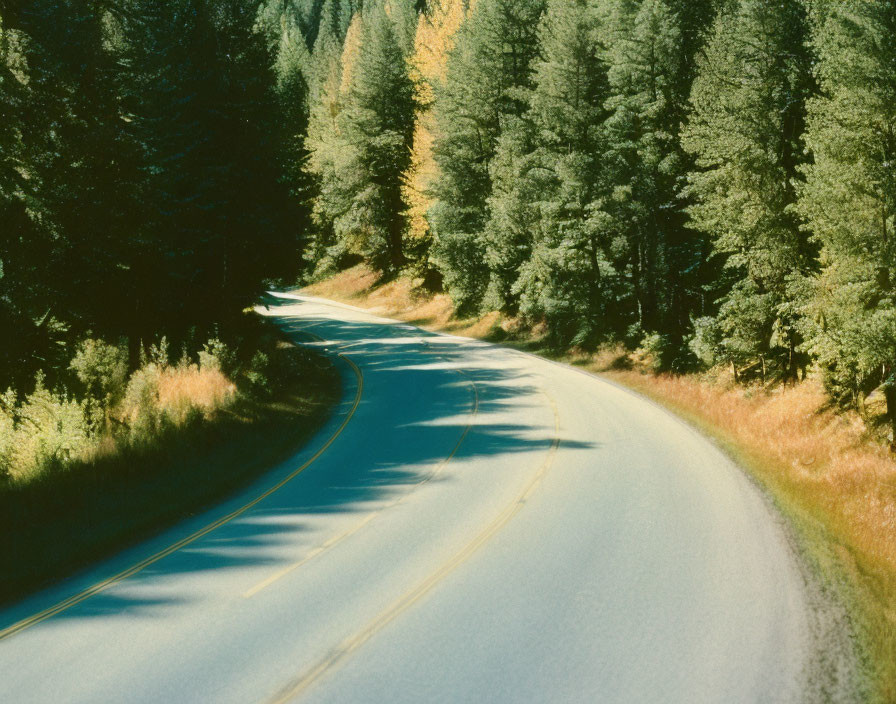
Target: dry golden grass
{"points": [[402, 299], [182, 388], [129, 485], [832, 480]]}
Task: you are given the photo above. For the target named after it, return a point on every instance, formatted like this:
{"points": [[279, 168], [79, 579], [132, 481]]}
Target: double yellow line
{"points": [[350, 645], [140, 566], [369, 517]]}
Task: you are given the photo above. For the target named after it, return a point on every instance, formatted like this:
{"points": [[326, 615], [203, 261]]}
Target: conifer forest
{"points": [[713, 180]]}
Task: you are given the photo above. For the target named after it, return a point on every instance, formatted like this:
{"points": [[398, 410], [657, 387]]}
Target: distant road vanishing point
{"points": [[473, 525]]}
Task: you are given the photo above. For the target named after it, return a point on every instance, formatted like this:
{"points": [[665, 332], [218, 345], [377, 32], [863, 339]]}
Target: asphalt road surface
{"points": [[473, 525]]}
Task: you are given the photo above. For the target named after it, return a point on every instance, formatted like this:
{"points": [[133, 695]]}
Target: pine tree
{"points": [[849, 201], [748, 116], [289, 130], [218, 215], [335, 16], [26, 239], [351, 50], [487, 75], [567, 277], [141, 182], [377, 125], [79, 166], [326, 149], [434, 39], [649, 88], [404, 16], [305, 16]]}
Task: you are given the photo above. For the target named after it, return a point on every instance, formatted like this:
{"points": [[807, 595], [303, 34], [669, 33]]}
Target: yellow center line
{"points": [[352, 644], [367, 519], [142, 565]]}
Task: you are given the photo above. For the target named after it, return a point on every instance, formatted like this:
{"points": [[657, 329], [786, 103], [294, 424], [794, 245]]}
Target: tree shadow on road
{"points": [[417, 403]]}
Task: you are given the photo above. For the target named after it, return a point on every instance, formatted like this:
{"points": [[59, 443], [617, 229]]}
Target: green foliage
{"points": [[564, 277], [216, 354], [292, 67], [326, 153], [706, 343], [150, 170], [140, 406], [745, 127], [708, 179], [102, 369], [376, 125], [7, 433], [488, 75], [651, 54], [51, 430], [849, 200], [157, 354], [257, 376]]}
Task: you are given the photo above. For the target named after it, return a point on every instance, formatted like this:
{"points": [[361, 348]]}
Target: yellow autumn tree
{"points": [[434, 40], [333, 64], [350, 52]]}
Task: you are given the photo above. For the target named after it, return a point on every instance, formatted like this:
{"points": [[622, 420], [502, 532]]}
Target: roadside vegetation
{"points": [[829, 470], [149, 194], [88, 468], [704, 184]]}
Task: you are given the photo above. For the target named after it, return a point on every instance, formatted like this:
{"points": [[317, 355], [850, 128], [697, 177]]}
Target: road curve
{"points": [[473, 525]]}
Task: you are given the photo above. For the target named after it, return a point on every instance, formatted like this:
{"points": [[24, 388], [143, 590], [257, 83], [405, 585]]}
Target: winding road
{"points": [[473, 525]]}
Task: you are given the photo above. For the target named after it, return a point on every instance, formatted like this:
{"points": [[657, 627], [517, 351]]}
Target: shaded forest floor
{"points": [[62, 521], [827, 471]]}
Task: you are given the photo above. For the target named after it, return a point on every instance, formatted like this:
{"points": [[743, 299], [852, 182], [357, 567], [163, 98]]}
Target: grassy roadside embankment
{"points": [[210, 435], [830, 478]]}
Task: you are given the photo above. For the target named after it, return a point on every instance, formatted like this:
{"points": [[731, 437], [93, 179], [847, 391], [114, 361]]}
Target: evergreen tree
{"points": [[26, 238], [377, 125], [649, 85], [434, 39], [548, 241], [335, 17], [305, 16], [292, 67], [748, 116], [218, 216], [141, 170], [488, 73], [78, 167], [327, 149], [849, 201], [404, 16]]}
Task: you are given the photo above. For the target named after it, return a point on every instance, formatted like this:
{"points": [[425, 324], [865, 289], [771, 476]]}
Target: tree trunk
{"points": [[792, 367], [396, 253]]}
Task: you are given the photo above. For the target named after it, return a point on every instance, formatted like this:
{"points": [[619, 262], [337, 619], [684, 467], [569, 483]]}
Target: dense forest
{"points": [[711, 180]]}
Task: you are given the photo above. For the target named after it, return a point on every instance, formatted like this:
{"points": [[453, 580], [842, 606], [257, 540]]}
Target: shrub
{"points": [[50, 430], [257, 375], [140, 407], [7, 432], [157, 354], [102, 368], [662, 354], [217, 355], [706, 343], [649, 352]]}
